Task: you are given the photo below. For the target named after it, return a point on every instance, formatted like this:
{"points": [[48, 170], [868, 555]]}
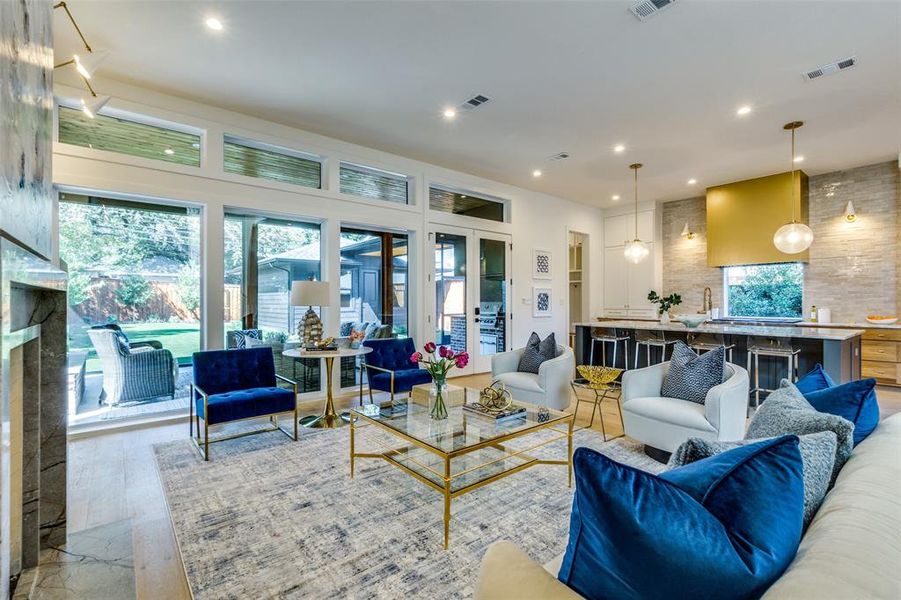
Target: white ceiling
{"points": [[563, 76]]}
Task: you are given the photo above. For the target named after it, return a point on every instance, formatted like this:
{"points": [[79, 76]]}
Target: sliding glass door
{"points": [[471, 293]]}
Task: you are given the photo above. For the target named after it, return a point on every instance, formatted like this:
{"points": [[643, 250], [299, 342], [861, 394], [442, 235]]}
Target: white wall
{"points": [[536, 220]]}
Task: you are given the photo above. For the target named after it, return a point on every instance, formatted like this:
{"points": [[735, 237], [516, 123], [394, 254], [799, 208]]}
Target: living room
{"points": [[565, 293]]}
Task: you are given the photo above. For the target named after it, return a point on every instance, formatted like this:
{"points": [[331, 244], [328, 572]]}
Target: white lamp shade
{"points": [[92, 108], [792, 238], [850, 213], [86, 64], [310, 293], [636, 251]]}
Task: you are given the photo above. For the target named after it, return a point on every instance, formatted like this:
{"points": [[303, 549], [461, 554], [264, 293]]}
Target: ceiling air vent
{"points": [[831, 68], [559, 156], [475, 102], [646, 9]]}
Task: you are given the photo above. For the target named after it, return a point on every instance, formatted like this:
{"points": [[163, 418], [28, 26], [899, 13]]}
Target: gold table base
{"points": [[329, 419]]}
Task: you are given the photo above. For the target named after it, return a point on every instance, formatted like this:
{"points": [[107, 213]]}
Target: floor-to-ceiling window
{"points": [[450, 291], [373, 285], [263, 257], [134, 269]]}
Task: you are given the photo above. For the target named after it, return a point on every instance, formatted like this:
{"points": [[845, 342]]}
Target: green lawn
{"points": [[182, 339]]}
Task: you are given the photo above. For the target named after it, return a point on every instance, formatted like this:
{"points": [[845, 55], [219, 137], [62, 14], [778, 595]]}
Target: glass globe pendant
{"points": [[793, 237], [636, 250]]}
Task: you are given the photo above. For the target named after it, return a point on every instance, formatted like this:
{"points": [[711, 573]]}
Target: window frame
{"points": [[254, 144], [727, 312]]}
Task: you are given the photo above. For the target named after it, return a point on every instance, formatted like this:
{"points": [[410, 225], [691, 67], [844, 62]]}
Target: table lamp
{"points": [[310, 293]]}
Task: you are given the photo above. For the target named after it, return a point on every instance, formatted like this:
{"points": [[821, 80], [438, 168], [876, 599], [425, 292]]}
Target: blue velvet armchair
{"points": [[389, 369], [233, 385]]}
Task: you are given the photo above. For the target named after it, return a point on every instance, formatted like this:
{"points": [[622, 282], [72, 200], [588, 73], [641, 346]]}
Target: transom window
{"points": [[465, 203], [256, 159], [771, 291], [368, 182], [125, 136]]}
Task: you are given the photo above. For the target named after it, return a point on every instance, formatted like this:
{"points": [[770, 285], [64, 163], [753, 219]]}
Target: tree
{"points": [[187, 287], [133, 291], [768, 291]]}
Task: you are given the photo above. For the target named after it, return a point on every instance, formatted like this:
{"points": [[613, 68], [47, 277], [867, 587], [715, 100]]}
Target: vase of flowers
{"points": [[665, 303], [438, 361], [356, 338]]}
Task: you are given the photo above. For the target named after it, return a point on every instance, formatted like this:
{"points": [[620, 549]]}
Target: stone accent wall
{"points": [[854, 267]]}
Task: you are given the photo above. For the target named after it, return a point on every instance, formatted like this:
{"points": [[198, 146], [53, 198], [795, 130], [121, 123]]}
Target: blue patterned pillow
{"points": [[690, 376], [346, 328]]}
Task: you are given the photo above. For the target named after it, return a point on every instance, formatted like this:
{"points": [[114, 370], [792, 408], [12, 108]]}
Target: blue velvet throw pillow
{"points": [[855, 401], [725, 527], [814, 380]]}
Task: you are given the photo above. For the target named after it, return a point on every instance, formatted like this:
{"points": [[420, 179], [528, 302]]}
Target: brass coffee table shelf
{"points": [[463, 452]]}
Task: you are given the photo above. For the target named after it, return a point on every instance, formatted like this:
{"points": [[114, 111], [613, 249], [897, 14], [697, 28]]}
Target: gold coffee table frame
{"points": [[394, 455]]}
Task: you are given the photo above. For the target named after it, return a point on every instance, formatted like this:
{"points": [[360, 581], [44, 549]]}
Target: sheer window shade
{"points": [[374, 183], [246, 158]]}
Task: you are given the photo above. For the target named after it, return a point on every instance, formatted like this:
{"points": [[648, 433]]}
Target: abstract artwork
{"points": [[541, 301], [26, 122], [541, 264]]}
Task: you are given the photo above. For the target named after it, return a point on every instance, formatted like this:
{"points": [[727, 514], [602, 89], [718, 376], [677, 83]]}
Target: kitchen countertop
{"points": [[858, 325], [833, 332]]}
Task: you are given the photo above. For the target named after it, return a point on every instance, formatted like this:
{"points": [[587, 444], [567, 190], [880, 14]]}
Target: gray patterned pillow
{"points": [[817, 456], [690, 376], [536, 352], [785, 411]]}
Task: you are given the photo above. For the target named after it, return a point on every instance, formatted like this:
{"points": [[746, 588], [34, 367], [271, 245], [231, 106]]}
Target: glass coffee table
{"points": [[463, 452]]}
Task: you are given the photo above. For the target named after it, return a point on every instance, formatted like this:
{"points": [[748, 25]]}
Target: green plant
{"points": [[187, 286], [133, 291], [276, 337], [665, 302]]}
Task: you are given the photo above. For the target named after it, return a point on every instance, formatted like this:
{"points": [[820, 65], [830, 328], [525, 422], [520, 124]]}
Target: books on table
{"points": [[512, 412]]}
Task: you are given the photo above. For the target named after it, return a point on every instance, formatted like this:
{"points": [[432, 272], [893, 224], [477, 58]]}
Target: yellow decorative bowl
{"points": [[598, 375]]}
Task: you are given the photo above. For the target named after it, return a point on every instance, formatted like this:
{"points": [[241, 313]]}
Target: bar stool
{"points": [[608, 335], [601, 381], [704, 342], [775, 347], [656, 339]]}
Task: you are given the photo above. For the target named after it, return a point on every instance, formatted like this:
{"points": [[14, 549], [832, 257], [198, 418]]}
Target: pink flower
{"points": [[416, 357], [450, 353], [442, 351], [461, 361], [429, 347]]}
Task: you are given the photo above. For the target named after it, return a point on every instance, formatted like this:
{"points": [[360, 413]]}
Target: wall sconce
{"points": [[687, 233], [850, 215]]}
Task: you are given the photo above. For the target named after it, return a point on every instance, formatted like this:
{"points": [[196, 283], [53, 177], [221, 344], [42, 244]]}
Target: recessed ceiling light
{"points": [[536, 173], [692, 181], [449, 113], [799, 159], [743, 110], [619, 148], [614, 197], [214, 23], [169, 151]]}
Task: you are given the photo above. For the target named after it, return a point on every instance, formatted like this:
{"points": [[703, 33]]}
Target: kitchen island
{"points": [[838, 350]]}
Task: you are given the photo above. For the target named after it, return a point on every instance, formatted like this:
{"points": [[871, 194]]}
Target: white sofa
{"points": [[852, 548], [550, 387], [664, 423]]}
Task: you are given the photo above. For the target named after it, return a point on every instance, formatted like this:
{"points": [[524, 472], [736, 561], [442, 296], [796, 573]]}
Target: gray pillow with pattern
{"points": [[536, 352], [785, 411], [817, 457], [690, 375]]}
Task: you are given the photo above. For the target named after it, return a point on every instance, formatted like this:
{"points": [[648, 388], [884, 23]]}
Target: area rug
{"points": [[268, 517]]}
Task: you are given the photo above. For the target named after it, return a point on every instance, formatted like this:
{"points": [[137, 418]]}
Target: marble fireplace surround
{"points": [[32, 409]]}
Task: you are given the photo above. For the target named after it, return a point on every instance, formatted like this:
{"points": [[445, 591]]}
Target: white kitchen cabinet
{"points": [[621, 228], [616, 290], [626, 285]]}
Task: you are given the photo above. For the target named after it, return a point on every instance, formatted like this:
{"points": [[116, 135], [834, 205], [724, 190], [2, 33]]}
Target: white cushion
{"points": [[852, 548], [670, 410], [521, 381]]}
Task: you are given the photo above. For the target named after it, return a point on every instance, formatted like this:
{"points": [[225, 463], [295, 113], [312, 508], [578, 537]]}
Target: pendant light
{"points": [[794, 236], [636, 250]]}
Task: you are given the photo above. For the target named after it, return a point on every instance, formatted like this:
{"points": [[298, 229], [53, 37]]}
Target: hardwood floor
{"points": [[113, 477]]}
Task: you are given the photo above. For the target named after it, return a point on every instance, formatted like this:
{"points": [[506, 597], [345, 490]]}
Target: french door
{"points": [[471, 293]]}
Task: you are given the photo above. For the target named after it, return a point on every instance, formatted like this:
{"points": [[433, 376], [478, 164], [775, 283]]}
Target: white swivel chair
{"points": [[549, 387], [662, 424]]}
